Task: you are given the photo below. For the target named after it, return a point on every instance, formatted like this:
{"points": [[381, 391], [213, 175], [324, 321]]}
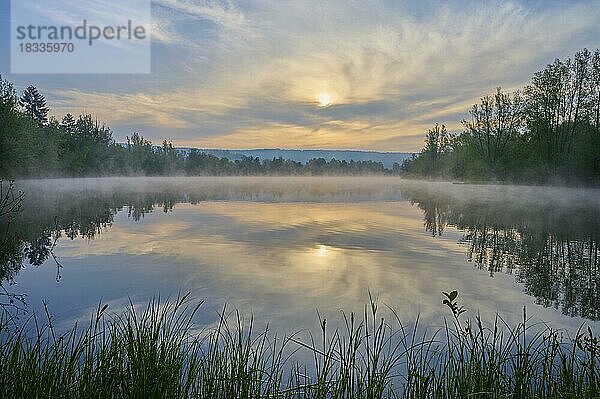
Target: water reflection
{"points": [[340, 235], [552, 250]]}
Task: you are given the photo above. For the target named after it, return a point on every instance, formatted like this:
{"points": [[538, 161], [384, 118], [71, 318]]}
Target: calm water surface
{"points": [[280, 248]]}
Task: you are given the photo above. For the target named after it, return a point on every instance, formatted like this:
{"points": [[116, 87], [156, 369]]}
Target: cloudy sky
{"points": [[257, 73]]}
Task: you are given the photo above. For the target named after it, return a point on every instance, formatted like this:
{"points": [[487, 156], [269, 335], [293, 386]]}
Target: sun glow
{"points": [[322, 250], [324, 99]]}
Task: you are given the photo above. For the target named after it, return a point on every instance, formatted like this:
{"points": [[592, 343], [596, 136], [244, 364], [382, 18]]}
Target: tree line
{"points": [[545, 133], [32, 144]]}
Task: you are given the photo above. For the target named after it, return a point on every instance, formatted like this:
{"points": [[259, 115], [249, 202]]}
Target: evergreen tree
{"points": [[88, 128], [8, 95], [34, 105], [68, 124]]}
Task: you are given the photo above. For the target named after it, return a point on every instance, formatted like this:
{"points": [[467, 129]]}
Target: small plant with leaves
{"points": [[451, 302]]}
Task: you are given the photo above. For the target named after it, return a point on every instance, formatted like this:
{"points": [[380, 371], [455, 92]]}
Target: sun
{"points": [[322, 250], [324, 100]]}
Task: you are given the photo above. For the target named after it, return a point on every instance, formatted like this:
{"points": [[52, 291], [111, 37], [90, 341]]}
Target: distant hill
{"points": [[388, 158]]}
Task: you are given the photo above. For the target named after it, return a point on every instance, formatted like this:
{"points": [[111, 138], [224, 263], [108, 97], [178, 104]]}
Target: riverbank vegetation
{"points": [[549, 132], [155, 352]]}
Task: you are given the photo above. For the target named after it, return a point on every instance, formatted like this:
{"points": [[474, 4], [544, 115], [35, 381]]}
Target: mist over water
{"points": [[283, 247]]}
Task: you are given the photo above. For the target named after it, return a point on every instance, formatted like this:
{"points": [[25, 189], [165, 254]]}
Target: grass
{"points": [[156, 352]]}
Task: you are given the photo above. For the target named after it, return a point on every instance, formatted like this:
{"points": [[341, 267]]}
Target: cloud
{"points": [[226, 14], [234, 75]]}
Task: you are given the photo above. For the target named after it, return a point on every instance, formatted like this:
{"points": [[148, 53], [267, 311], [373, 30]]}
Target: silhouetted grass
{"points": [[156, 353]]}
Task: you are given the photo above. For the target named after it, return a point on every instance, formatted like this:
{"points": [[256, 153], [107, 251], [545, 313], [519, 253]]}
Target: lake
{"points": [[282, 249]]}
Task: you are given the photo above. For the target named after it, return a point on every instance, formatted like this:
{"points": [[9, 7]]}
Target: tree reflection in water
{"points": [[553, 251], [39, 227]]}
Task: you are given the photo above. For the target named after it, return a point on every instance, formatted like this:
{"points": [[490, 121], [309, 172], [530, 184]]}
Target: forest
{"points": [[546, 133]]}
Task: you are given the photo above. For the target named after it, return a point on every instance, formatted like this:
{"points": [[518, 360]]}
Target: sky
{"points": [[354, 74]]}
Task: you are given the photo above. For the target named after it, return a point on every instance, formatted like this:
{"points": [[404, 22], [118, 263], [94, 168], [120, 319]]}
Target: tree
{"points": [[68, 124], [8, 95], [137, 139], [168, 158], [436, 145], [34, 105], [89, 128], [595, 92], [494, 123], [140, 157], [559, 105]]}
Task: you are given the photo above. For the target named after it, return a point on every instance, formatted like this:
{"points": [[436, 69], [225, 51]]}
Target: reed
{"points": [[156, 352]]}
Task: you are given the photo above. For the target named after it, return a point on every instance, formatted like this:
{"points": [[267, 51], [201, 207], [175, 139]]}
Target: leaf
{"points": [[453, 295]]}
